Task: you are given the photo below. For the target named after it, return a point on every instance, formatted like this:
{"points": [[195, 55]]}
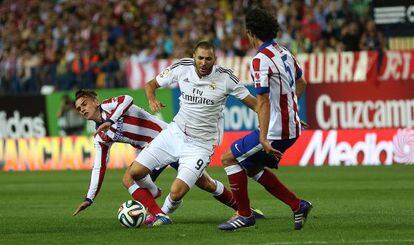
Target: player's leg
{"points": [[157, 155], [194, 158], [138, 173], [240, 150], [273, 184], [219, 191], [131, 185]]}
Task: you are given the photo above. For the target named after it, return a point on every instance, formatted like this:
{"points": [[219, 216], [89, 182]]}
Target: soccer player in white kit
{"points": [[198, 126], [278, 82], [119, 120]]}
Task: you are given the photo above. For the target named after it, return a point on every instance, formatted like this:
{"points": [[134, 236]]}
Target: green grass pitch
{"points": [[351, 205]]}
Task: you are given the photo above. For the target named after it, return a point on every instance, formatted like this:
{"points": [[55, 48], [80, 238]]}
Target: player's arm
{"points": [[97, 174], [153, 102], [251, 102], [300, 87], [118, 107], [261, 83], [300, 82]]}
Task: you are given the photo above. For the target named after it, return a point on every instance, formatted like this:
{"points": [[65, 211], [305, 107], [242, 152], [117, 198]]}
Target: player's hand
{"points": [[268, 148], [103, 128], [82, 206], [155, 105], [304, 124]]}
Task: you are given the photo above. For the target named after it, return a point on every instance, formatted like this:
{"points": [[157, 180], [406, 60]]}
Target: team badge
{"points": [[165, 72], [213, 85], [257, 74]]}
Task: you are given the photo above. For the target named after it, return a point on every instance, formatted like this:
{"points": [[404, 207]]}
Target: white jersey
{"points": [[131, 125], [202, 99], [274, 70]]}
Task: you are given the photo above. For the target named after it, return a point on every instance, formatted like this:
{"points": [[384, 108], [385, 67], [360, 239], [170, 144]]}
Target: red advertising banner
{"points": [[313, 148], [385, 99], [342, 147], [57, 153]]}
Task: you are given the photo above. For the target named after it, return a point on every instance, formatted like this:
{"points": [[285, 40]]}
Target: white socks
{"points": [[233, 169], [147, 183], [219, 188], [170, 206]]}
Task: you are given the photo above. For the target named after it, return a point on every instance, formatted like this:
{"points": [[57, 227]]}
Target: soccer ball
{"points": [[131, 214]]}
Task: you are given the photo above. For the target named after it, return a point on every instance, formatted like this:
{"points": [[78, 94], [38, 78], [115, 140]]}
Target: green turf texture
{"points": [[351, 205]]}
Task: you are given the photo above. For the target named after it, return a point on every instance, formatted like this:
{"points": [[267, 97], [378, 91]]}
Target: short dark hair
{"points": [[261, 24], [86, 93], [205, 45]]}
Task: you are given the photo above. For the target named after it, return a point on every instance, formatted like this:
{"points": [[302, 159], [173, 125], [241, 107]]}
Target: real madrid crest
{"points": [[213, 85], [165, 72]]}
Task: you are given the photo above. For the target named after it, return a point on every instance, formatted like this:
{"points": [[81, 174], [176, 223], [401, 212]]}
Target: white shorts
{"points": [[172, 145]]}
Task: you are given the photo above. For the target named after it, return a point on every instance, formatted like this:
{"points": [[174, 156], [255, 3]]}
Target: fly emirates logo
{"points": [[360, 148]]}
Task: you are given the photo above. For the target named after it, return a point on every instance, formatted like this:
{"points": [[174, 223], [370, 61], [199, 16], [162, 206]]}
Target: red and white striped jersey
{"points": [[274, 70], [131, 125]]}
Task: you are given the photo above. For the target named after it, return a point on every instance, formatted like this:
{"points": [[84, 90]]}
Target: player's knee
{"points": [[138, 171], [227, 159]]}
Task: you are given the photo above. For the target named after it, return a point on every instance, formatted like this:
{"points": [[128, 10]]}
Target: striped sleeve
{"points": [[260, 75], [117, 107], [99, 167]]}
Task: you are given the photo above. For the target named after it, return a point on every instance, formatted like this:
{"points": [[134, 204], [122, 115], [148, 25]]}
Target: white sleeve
{"points": [[117, 106], [235, 88], [99, 167], [168, 76]]}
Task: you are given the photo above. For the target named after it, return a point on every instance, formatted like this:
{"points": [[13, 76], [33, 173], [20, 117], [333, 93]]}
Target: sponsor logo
{"points": [[237, 147], [18, 126], [364, 114], [404, 146], [196, 99], [394, 14], [335, 67], [368, 148]]}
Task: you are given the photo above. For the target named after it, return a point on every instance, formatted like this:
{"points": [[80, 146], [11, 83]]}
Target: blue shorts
{"points": [[250, 154]]}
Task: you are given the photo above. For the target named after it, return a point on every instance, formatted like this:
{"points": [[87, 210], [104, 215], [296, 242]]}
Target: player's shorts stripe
{"points": [[251, 152]]}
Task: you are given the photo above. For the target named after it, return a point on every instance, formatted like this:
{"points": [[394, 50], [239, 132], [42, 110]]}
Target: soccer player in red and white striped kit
{"points": [[118, 119], [278, 83]]}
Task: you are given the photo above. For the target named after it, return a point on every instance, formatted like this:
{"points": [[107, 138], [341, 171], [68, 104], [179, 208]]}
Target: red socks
{"points": [[227, 199], [273, 185], [238, 185], [144, 196]]}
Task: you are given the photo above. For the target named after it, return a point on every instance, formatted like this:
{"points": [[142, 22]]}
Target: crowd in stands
{"points": [[85, 43]]}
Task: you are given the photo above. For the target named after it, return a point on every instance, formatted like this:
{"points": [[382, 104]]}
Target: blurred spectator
{"points": [[85, 43], [70, 122], [371, 38]]}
